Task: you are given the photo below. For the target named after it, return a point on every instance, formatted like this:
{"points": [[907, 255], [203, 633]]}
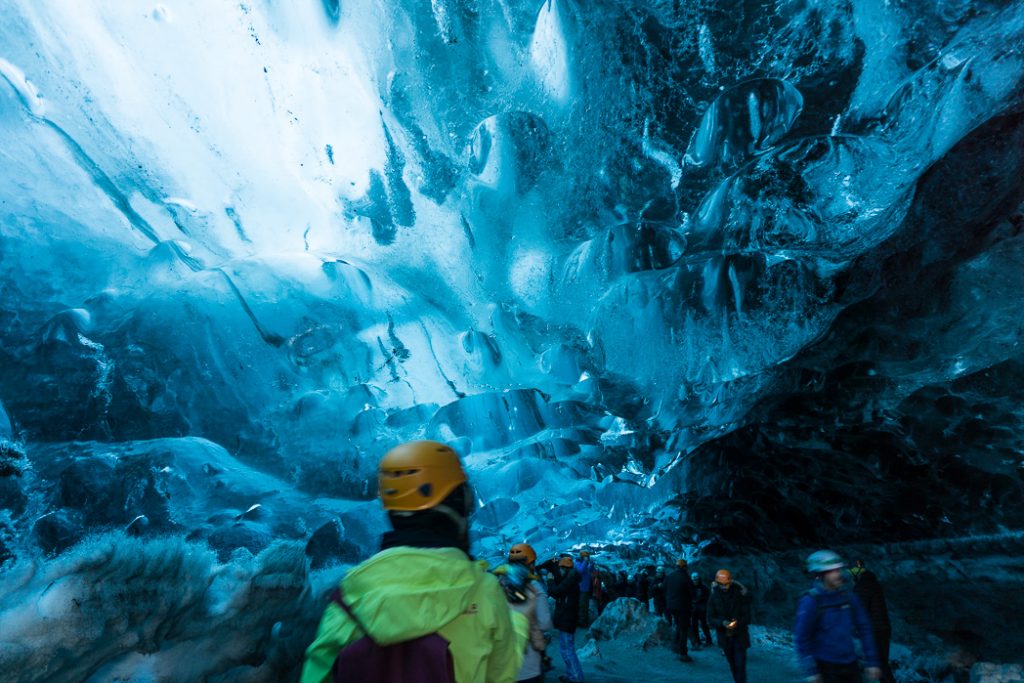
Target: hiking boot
{"points": [[685, 658]]}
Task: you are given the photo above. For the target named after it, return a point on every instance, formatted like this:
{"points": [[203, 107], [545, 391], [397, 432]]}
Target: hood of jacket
{"points": [[735, 585], [404, 592]]}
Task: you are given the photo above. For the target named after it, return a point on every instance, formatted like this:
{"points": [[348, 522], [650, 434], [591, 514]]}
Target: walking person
{"points": [[523, 555], [599, 590], [643, 588], [829, 617], [699, 620], [678, 606], [620, 587], [565, 589], [729, 613], [585, 568], [869, 589], [658, 592]]}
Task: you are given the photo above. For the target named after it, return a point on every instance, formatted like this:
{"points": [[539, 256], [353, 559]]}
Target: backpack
{"points": [[426, 659]]}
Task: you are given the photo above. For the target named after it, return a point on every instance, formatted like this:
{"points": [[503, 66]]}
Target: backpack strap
{"points": [[338, 599]]}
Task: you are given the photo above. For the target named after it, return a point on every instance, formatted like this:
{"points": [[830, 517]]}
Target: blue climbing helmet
{"points": [[515, 580], [824, 561]]}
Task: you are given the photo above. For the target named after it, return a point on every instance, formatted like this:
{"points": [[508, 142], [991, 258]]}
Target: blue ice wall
{"points": [[618, 254]]}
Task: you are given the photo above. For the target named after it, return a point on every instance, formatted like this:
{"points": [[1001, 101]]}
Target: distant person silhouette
{"points": [[678, 606], [565, 589], [869, 589], [699, 620]]}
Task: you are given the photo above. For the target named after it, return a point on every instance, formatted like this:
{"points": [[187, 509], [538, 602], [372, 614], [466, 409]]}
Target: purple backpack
{"points": [[426, 659]]}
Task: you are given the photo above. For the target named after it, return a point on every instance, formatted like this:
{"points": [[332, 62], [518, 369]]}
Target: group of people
{"points": [[422, 610], [682, 599], [690, 606]]}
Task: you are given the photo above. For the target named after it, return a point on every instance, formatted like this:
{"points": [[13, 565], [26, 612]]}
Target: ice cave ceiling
{"points": [[693, 271]]}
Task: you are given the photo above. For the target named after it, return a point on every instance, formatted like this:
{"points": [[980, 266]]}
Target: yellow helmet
{"points": [[418, 475], [522, 553]]}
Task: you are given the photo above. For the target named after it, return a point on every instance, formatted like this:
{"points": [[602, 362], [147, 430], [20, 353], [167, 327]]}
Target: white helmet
{"points": [[824, 561]]}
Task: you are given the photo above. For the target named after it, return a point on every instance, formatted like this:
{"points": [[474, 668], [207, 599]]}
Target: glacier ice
{"points": [[125, 609], [649, 266], [743, 121]]}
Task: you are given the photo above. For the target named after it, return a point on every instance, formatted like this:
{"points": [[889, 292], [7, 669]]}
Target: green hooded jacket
{"points": [[403, 593]]}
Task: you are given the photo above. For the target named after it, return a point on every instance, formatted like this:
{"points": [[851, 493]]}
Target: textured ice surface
{"points": [[662, 272], [124, 609]]}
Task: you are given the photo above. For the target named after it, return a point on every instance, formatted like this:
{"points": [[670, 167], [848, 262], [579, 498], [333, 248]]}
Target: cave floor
{"points": [[624, 661]]}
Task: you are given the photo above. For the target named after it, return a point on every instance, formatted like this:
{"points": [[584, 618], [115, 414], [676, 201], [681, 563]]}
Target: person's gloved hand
{"points": [[873, 673]]}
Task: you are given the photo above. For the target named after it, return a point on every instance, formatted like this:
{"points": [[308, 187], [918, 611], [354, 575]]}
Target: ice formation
{"points": [[664, 273]]}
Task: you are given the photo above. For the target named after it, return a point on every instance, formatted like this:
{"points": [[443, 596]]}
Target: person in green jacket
{"points": [[423, 580]]}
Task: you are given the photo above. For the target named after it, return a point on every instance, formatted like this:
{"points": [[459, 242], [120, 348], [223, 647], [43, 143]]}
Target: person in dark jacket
{"points": [[643, 587], [699, 620], [729, 613], [828, 618], [869, 590], [658, 591], [565, 589], [600, 589], [621, 586], [678, 606]]}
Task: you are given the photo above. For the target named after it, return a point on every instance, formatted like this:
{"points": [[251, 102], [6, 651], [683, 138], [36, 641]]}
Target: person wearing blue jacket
{"points": [[829, 617], [584, 566]]}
